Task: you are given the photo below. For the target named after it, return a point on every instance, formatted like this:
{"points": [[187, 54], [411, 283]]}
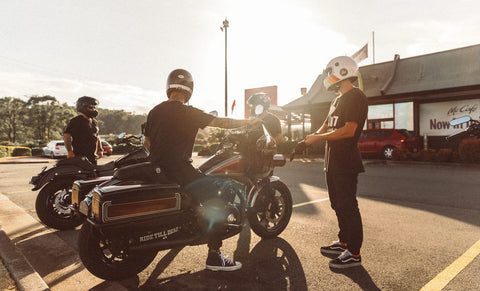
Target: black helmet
{"points": [[180, 80], [259, 103], [84, 102]]}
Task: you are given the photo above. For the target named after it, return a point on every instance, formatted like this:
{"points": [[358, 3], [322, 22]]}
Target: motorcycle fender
{"points": [[55, 173], [255, 191]]}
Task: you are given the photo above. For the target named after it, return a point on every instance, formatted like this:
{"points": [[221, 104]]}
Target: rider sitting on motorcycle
{"points": [[259, 104], [169, 138]]}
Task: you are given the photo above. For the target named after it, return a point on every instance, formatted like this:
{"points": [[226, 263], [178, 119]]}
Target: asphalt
{"points": [[21, 270]]}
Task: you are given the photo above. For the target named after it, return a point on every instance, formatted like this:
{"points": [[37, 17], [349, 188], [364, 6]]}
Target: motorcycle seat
{"points": [[81, 162], [142, 172]]}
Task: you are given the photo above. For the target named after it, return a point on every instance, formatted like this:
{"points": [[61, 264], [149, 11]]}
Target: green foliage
{"points": [[43, 118], [21, 151], [469, 150], [3, 152]]}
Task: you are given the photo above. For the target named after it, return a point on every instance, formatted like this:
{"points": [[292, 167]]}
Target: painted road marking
{"points": [[309, 202], [442, 279]]}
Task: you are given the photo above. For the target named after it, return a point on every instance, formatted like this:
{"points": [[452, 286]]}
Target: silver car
{"points": [[55, 149]]}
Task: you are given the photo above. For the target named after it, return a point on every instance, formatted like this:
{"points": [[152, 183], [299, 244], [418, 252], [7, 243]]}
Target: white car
{"points": [[54, 149]]}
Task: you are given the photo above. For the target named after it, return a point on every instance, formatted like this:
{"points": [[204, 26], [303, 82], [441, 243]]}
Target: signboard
{"points": [[270, 90], [435, 117]]}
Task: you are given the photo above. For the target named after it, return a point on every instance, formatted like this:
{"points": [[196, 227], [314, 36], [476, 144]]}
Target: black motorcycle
{"points": [[53, 201], [139, 212], [473, 128]]}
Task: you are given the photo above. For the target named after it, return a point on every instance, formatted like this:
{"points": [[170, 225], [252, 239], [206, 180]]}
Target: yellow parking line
{"points": [[309, 202], [442, 279]]}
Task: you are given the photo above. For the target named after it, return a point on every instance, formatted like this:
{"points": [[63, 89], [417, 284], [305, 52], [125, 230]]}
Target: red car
{"points": [[384, 141], [107, 148]]}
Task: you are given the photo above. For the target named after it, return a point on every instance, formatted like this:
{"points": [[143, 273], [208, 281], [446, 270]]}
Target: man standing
{"points": [[169, 138], [343, 163], [81, 134]]}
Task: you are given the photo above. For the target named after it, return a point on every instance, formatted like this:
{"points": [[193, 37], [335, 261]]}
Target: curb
{"points": [[20, 269]]}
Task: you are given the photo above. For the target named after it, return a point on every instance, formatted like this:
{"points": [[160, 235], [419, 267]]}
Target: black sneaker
{"points": [[218, 262], [346, 260], [336, 248]]}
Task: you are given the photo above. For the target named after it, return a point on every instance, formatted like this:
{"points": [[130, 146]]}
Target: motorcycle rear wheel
{"points": [[269, 216], [107, 261], [52, 205]]}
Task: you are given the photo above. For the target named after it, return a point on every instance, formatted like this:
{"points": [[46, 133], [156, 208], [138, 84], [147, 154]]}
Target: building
{"points": [[421, 94]]}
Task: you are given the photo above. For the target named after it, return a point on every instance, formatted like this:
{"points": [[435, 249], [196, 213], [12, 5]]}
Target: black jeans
{"points": [[186, 175], [342, 190]]}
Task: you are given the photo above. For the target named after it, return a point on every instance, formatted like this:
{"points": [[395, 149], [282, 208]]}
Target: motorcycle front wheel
{"points": [[53, 205], [108, 260], [271, 213]]}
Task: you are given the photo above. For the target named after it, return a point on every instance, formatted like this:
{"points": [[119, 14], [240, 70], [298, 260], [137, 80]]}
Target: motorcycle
{"points": [[139, 212], [53, 201], [473, 128]]}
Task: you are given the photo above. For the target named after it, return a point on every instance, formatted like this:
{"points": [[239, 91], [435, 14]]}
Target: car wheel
{"points": [[388, 152]]}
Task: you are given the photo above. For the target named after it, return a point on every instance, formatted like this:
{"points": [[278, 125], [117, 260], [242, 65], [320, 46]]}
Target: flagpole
{"points": [[373, 46]]}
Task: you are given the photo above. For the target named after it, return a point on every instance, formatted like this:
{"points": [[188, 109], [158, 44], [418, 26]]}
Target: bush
{"points": [[469, 150], [37, 151], [21, 151], [204, 152], [3, 152], [400, 155], [444, 155]]}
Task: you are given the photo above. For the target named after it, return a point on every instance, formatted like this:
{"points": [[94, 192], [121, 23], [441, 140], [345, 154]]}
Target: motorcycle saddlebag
{"points": [[80, 188], [128, 203]]}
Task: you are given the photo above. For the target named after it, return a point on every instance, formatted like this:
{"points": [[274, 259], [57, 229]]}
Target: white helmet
{"points": [[339, 69]]}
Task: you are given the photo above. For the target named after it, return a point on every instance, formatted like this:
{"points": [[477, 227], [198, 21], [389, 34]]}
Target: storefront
{"points": [[421, 94]]}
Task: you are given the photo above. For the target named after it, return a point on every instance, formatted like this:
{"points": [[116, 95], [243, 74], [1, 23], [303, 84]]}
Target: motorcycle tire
{"points": [[52, 205], [109, 262], [268, 218]]}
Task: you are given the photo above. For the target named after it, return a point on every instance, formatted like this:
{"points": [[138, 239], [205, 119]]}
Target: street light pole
{"points": [[225, 26]]}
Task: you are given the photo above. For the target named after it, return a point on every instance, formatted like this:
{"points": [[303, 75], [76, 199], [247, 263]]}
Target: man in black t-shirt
{"points": [[169, 137], [343, 162], [81, 134]]}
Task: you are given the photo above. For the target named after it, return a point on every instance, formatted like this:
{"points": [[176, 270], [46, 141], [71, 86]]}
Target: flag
{"points": [[361, 54], [233, 105]]}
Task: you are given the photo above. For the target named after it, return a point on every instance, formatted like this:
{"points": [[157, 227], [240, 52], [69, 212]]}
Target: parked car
{"points": [[55, 149], [107, 148], [384, 141]]}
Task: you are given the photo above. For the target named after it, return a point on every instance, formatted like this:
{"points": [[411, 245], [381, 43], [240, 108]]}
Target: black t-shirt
{"points": [[84, 134], [172, 128], [343, 155], [272, 123]]}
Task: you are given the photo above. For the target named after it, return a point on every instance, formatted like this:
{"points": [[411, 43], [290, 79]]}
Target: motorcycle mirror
{"points": [[121, 135], [460, 120]]}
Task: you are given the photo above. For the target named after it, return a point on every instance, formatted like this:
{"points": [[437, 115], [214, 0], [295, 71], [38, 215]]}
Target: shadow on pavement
{"points": [[360, 276], [271, 265]]}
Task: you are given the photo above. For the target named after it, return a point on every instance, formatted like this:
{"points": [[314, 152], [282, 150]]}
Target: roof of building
{"points": [[457, 68]]}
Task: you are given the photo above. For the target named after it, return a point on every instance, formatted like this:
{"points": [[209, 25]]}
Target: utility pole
{"points": [[224, 27]]}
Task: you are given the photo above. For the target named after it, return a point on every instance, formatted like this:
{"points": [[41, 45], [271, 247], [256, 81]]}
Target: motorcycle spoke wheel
{"points": [[52, 205], [271, 213], [110, 260]]}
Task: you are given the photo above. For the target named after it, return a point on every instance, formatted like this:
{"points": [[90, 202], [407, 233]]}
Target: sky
{"points": [[121, 51]]}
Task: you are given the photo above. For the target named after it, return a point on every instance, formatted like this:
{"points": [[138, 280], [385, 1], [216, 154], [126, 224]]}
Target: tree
{"points": [[47, 117], [12, 114]]}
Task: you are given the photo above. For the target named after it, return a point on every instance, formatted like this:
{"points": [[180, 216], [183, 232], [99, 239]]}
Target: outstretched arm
{"points": [[224, 122]]}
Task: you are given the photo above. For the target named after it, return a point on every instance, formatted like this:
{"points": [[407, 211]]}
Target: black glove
{"points": [[299, 148]]}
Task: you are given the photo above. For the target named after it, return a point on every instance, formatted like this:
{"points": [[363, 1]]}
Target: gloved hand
{"points": [[299, 148]]}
